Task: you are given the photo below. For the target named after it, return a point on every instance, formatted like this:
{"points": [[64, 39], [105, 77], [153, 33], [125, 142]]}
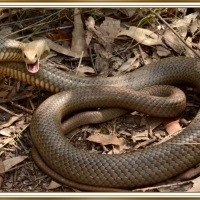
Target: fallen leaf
{"points": [[173, 41], [5, 31], [195, 187], [90, 23], [116, 63], [171, 11], [5, 141], [63, 35], [154, 122], [60, 49], [189, 52], [195, 26], [13, 161], [128, 11], [1, 181], [83, 70], [88, 37], [162, 51], [78, 35], [185, 21], [11, 120], [101, 61], [53, 36], [140, 136], [3, 94], [192, 172], [123, 132], [145, 57], [2, 168], [5, 132], [172, 125], [130, 64], [142, 36], [106, 139], [111, 28], [53, 185]]}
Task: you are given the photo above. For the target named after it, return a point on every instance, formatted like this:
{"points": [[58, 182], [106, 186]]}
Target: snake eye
{"points": [[36, 55], [24, 56]]}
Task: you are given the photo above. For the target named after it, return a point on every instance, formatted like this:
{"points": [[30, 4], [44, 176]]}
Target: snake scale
{"points": [[97, 172]]}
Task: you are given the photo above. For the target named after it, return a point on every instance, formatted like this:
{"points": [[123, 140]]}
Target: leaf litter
{"points": [[104, 42]]}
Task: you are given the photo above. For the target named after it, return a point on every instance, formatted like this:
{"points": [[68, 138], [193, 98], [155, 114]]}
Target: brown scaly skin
{"points": [[140, 168]]}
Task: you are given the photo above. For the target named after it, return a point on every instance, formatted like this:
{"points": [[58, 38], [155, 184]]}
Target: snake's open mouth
{"points": [[33, 68]]}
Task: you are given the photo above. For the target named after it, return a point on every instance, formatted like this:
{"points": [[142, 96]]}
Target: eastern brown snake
{"points": [[97, 172]]}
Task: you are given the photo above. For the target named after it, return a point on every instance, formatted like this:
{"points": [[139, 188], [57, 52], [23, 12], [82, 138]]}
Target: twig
{"points": [[39, 32], [91, 58], [157, 15], [32, 25], [16, 135], [41, 177], [16, 98], [31, 103], [8, 111], [160, 186], [145, 143], [19, 166], [79, 62], [25, 149]]}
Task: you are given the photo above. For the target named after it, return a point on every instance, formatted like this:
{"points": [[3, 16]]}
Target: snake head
{"points": [[31, 60], [32, 52]]}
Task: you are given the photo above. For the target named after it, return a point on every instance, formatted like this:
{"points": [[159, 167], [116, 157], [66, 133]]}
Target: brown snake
{"points": [[96, 172]]}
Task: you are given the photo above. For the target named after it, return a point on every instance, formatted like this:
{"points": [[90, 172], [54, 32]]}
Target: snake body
{"points": [[136, 169]]}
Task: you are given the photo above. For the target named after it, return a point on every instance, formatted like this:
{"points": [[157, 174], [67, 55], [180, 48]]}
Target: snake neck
{"points": [[171, 71]]}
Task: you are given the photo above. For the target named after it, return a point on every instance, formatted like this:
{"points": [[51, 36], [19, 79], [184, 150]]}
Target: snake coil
{"points": [[99, 172]]}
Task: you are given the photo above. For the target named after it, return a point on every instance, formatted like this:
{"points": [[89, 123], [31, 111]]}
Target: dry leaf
{"points": [[172, 125], [5, 132], [140, 136], [3, 94], [195, 187], [2, 168], [5, 31], [84, 69], [78, 35], [6, 141], [130, 64], [106, 139], [53, 36], [101, 61], [90, 23], [173, 41], [53, 185], [186, 20], [123, 132], [154, 122], [142, 36], [195, 26], [11, 120], [111, 27], [145, 57], [189, 174], [63, 35], [58, 48], [189, 52], [162, 51], [129, 11], [1, 181], [88, 37], [13, 161]]}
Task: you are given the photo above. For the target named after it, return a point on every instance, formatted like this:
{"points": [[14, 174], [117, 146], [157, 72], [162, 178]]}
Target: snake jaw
{"points": [[33, 67]]}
